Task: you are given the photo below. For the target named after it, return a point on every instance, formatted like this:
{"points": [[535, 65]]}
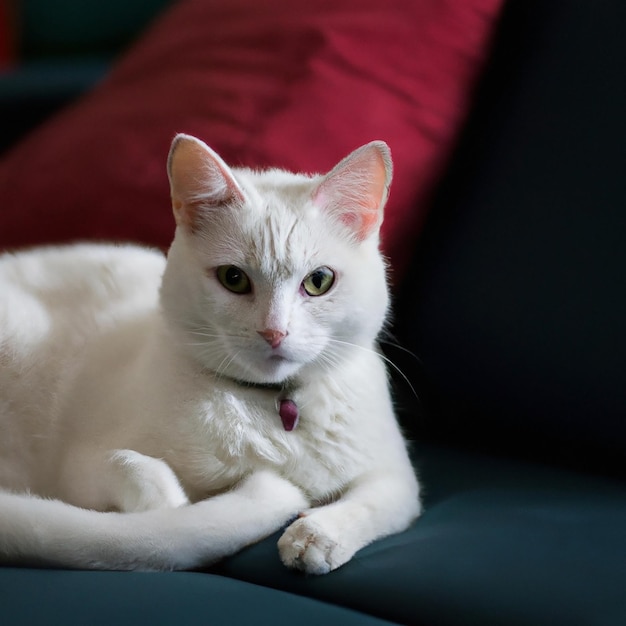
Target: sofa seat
{"points": [[501, 542], [71, 598]]}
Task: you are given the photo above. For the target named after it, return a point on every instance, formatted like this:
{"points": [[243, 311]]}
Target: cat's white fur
{"points": [[128, 438]]}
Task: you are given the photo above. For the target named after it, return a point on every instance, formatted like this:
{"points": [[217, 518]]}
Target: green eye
{"points": [[234, 279], [319, 281]]}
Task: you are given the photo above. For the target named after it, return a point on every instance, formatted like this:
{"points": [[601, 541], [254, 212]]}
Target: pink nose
{"points": [[272, 336]]}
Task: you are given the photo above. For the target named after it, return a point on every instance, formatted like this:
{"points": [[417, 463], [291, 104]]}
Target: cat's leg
{"points": [[120, 480], [258, 506], [51, 532], [143, 483], [326, 537]]}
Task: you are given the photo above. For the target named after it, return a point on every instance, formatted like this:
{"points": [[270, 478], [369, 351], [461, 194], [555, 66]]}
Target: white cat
{"points": [[164, 414]]}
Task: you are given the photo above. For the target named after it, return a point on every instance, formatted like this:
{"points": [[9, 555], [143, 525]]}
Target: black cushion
{"points": [[516, 302], [66, 598]]}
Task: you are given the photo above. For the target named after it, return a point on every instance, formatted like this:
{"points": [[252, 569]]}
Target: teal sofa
{"points": [[514, 311]]}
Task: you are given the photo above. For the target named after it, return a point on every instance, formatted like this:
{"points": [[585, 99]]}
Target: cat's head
{"points": [[272, 273]]}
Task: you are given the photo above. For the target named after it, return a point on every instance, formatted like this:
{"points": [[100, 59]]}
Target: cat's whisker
{"points": [[215, 335], [329, 361], [204, 334], [196, 344], [385, 358], [220, 371], [392, 342]]}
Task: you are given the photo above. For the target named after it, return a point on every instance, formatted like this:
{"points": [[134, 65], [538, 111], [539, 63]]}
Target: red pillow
{"points": [[291, 84]]}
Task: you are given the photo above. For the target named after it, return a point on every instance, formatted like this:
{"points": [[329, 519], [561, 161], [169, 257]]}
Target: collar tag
{"points": [[288, 412]]}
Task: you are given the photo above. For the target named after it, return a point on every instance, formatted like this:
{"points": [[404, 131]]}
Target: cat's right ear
{"points": [[199, 181]]}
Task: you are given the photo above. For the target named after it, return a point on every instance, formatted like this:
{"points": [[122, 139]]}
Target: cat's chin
{"points": [[277, 369], [274, 370]]}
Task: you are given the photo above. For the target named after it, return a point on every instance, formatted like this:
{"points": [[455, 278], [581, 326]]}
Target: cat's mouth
{"points": [[277, 358], [275, 368]]}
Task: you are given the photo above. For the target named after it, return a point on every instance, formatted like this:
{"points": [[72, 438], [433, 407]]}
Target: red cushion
{"points": [[296, 85]]}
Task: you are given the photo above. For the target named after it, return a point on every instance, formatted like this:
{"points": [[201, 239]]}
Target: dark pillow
{"points": [[297, 85], [516, 304], [80, 27]]}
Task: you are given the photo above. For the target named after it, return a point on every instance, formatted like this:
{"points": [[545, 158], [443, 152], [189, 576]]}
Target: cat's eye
{"points": [[319, 281], [234, 279]]}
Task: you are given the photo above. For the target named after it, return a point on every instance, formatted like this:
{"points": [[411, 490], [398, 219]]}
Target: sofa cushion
{"points": [[277, 83], [66, 598], [500, 542], [516, 304]]}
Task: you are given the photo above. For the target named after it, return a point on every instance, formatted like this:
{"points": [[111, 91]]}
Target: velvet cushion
{"points": [[516, 303], [273, 83], [500, 543], [66, 598]]}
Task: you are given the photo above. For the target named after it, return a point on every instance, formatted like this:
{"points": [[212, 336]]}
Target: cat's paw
{"points": [[143, 483], [310, 546]]}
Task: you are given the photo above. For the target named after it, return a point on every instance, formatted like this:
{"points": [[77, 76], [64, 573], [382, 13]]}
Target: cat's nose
{"points": [[272, 336]]}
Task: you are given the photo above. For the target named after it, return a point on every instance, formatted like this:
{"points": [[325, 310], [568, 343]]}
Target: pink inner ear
{"points": [[359, 215], [367, 225], [355, 191], [374, 197]]}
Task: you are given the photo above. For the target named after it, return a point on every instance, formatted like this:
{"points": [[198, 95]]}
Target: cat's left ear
{"points": [[199, 180], [355, 191]]}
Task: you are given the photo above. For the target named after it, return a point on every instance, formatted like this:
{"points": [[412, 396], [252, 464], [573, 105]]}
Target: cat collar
{"points": [[287, 408]]}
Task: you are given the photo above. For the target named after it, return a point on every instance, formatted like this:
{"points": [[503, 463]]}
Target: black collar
{"points": [[286, 385], [286, 407], [262, 386]]}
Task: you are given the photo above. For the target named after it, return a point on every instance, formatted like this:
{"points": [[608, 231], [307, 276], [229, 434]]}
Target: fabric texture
{"points": [[265, 84], [499, 542], [67, 598]]}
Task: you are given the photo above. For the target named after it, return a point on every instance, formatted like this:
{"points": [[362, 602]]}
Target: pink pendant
{"points": [[288, 412]]}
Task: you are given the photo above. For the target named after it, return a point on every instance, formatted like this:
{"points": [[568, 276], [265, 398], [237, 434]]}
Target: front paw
{"points": [[309, 546], [143, 483]]}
